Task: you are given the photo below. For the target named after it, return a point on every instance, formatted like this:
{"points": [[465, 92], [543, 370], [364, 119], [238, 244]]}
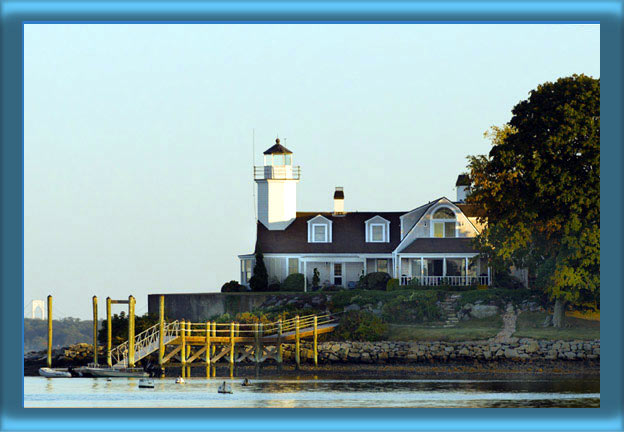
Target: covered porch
{"points": [[454, 270], [342, 271]]}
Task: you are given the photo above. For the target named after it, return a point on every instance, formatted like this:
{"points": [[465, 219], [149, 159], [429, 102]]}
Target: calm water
{"points": [[310, 392]]}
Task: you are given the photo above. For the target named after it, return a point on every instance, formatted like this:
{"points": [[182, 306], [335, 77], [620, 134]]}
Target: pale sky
{"points": [[138, 138]]}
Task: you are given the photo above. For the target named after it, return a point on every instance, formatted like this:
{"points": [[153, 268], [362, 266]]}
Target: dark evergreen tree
{"points": [[260, 279]]}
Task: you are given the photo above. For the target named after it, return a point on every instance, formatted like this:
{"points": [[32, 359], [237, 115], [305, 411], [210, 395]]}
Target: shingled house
{"points": [[432, 242]]}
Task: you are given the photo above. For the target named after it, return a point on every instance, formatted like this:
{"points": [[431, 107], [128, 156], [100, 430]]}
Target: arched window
{"points": [[444, 213], [443, 223]]}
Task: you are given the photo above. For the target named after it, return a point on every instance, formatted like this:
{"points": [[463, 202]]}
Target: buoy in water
{"points": [[246, 383]]}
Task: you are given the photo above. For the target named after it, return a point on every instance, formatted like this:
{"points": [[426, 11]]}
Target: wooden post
{"points": [[315, 340], [236, 350], [214, 349], [109, 332], [260, 334], [297, 344], [49, 331], [208, 349], [161, 331], [95, 330], [280, 350], [183, 349], [231, 349], [131, 303]]}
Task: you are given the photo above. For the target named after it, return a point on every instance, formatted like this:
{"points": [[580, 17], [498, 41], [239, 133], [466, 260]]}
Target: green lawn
{"points": [[476, 329], [529, 324]]}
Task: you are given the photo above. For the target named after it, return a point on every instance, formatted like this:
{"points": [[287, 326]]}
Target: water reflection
{"points": [[314, 392]]}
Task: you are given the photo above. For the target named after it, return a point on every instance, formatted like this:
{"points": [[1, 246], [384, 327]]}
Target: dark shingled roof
{"points": [[440, 245], [463, 180], [347, 235], [277, 148]]}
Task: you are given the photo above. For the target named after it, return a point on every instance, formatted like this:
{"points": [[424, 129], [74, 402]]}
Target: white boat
{"points": [[54, 373], [146, 383], [225, 388], [180, 380], [113, 372]]}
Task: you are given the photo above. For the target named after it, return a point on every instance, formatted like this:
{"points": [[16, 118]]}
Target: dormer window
{"points": [[319, 230], [378, 233], [443, 223], [319, 233], [377, 230]]}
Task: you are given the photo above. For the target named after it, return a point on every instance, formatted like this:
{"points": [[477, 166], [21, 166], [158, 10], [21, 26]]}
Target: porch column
{"points": [[305, 276], [444, 266], [365, 269], [422, 271], [489, 277], [466, 270]]}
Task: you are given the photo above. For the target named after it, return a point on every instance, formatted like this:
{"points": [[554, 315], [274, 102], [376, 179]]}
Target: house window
{"points": [[382, 265], [378, 233], [319, 233], [246, 271], [443, 223], [293, 265], [338, 274]]}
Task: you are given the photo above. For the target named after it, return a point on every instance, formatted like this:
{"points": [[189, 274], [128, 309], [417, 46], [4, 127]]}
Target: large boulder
{"points": [[483, 311]]}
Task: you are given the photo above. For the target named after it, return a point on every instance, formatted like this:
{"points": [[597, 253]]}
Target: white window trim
{"points": [[312, 239], [433, 221], [368, 231], [383, 233], [320, 220]]}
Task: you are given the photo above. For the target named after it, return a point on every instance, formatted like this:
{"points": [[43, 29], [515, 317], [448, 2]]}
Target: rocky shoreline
{"points": [[387, 353]]}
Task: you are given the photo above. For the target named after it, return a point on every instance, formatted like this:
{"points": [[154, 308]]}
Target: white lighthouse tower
{"points": [[277, 188]]}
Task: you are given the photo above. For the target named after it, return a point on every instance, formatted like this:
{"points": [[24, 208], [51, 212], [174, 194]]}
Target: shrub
{"points": [[374, 281], [293, 282], [332, 288], [274, 287], [497, 296], [233, 286], [415, 307], [360, 326], [507, 281], [394, 285]]}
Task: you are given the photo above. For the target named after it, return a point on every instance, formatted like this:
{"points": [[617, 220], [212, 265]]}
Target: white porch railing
{"points": [[446, 280]]}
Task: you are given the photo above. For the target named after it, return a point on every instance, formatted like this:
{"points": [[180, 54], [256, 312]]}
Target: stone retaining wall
{"points": [[405, 352]]}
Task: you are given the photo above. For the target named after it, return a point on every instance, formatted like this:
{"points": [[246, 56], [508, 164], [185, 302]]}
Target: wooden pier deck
{"points": [[187, 344]]}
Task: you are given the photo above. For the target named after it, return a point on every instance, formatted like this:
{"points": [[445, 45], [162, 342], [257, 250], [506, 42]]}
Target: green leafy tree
{"points": [[539, 188], [260, 279], [119, 327]]}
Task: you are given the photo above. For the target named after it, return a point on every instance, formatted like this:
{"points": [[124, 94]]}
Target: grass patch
{"points": [[529, 324], [475, 329]]}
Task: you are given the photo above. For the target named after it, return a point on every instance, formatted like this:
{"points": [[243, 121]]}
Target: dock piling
{"points": [[95, 330], [297, 343], [161, 331], [315, 340], [280, 349], [131, 303], [49, 331], [214, 349], [232, 349], [109, 332], [207, 353], [183, 349]]}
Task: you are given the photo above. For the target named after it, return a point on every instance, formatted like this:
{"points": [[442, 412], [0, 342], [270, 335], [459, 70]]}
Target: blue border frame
{"points": [[16, 13]]}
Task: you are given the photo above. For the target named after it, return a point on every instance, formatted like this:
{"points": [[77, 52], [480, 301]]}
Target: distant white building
{"points": [[432, 242]]}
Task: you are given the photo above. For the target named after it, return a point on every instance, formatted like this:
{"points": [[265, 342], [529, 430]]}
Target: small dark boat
{"points": [[225, 388]]}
